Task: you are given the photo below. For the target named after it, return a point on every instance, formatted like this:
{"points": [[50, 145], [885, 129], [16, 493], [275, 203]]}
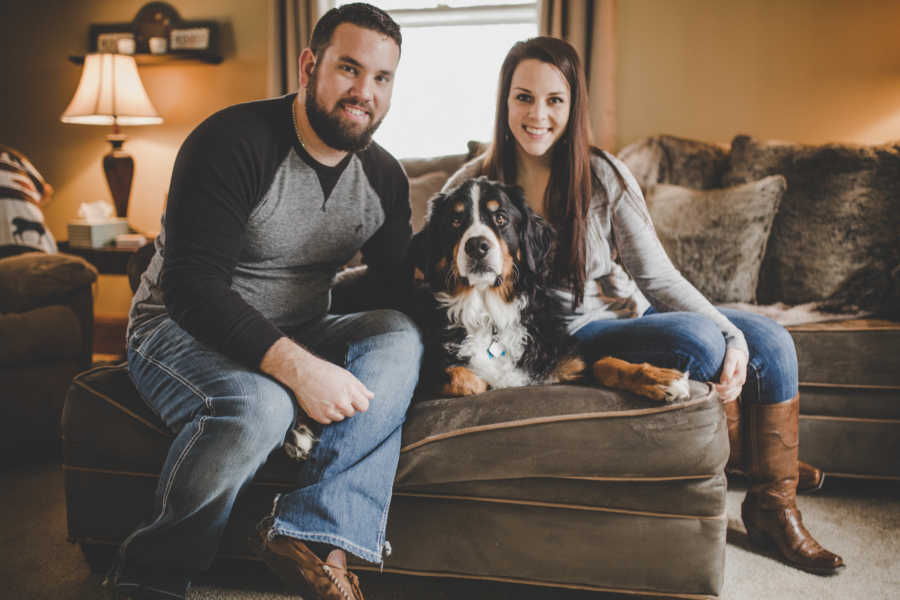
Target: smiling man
{"points": [[230, 337]]}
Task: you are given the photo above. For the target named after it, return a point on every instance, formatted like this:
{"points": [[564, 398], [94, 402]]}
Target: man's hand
{"points": [[325, 391], [734, 374]]}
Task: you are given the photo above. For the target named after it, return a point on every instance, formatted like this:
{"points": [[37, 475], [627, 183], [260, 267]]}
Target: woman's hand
{"points": [[734, 374]]}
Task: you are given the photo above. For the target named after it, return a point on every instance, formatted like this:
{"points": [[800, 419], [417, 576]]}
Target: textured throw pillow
{"points": [[679, 161], [717, 238], [836, 235]]}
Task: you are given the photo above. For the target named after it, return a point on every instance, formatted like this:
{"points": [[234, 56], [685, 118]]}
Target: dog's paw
{"points": [[463, 382], [676, 387], [663, 385], [657, 383], [299, 442]]}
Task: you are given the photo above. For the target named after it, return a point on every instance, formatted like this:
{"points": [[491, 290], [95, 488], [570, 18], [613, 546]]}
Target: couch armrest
{"points": [[36, 279]]}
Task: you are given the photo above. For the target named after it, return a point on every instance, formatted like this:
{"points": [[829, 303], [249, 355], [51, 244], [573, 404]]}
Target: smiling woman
{"points": [[448, 71]]}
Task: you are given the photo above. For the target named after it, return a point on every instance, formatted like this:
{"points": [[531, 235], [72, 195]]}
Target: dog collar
{"points": [[495, 349]]}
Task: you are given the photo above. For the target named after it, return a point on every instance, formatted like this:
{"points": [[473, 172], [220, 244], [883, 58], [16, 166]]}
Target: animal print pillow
{"points": [[835, 236], [717, 238], [22, 192]]}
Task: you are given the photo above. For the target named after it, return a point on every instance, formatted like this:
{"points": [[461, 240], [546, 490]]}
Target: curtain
{"points": [[293, 22], [590, 26]]}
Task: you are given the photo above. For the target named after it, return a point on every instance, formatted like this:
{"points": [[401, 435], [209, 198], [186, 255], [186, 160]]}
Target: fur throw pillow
{"points": [[835, 237], [717, 238], [679, 161]]}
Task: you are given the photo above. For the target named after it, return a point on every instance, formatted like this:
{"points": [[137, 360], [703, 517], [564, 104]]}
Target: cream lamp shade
{"points": [[110, 93]]}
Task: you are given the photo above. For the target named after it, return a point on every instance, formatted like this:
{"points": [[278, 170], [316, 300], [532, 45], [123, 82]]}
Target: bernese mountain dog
{"points": [[493, 320]]}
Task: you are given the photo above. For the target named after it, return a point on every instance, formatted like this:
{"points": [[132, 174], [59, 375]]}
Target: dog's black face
{"points": [[483, 235]]}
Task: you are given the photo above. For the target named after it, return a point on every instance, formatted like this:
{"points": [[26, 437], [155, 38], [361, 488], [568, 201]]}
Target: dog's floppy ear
{"points": [[417, 251], [422, 250], [538, 236]]}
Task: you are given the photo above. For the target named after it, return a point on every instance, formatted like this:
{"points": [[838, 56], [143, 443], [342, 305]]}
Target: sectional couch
{"points": [[573, 487]]}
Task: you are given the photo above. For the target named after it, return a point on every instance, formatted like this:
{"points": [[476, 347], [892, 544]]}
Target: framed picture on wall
{"points": [[190, 38]]}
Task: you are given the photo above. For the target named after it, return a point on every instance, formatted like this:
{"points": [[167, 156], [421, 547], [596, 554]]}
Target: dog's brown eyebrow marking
{"points": [[459, 207], [493, 205]]}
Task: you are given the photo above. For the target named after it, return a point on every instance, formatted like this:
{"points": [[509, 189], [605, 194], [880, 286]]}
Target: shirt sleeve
{"points": [[217, 179], [646, 261]]}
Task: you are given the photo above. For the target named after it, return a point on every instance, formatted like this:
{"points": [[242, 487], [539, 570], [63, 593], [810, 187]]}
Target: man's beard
{"points": [[330, 127]]}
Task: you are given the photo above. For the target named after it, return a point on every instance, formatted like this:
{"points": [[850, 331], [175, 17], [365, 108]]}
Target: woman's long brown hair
{"points": [[568, 195]]}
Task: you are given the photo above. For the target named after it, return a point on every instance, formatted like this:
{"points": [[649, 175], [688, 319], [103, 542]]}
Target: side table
{"points": [[109, 260], [109, 329]]}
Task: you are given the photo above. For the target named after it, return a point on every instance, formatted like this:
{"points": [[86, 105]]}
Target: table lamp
{"points": [[110, 93]]}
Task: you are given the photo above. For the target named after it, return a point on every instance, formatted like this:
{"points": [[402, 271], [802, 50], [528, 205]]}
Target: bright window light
{"points": [[446, 86]]}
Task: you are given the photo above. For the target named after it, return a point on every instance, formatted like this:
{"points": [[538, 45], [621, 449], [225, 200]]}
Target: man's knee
{"points": [[261, 409], [394, 333]]}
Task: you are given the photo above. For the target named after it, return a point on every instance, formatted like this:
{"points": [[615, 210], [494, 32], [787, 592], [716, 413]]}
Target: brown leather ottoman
{"points": [[850, 396], [567, 486]]}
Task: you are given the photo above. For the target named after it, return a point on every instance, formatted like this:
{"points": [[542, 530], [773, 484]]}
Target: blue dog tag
{"points": [[495, 350]]}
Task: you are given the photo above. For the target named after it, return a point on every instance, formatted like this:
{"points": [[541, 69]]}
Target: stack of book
{"points": [[130, 240]]}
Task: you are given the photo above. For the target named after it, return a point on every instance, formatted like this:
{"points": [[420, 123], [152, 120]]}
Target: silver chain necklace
{"points": [[296, 128]]}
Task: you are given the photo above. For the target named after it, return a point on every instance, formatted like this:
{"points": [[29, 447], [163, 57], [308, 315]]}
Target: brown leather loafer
{"points": [[304, 572]]}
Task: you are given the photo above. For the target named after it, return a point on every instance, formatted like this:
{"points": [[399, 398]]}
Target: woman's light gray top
{"points": [[625, 261]]}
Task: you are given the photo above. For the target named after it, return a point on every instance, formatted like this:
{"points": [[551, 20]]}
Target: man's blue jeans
{"points": [[227, 419], [691, 342]]}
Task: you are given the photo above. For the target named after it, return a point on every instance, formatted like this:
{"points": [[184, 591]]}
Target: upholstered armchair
{"points": [[46, 333]]}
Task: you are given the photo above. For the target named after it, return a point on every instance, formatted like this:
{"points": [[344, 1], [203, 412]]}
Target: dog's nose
{"points": [[478, 246]]}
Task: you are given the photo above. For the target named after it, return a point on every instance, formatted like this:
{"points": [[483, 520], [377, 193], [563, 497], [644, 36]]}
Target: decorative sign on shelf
{"points": [[158, 29]]}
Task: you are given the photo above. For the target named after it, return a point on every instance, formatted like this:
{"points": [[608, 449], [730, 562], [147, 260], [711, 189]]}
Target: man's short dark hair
{"points": [[359, 14]]}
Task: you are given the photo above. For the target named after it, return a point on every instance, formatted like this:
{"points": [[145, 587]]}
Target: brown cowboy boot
{"points": [[810, 478], [770, 510]]}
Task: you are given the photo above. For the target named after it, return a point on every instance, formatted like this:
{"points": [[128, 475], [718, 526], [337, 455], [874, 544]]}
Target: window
{"points": [[446, 86]]}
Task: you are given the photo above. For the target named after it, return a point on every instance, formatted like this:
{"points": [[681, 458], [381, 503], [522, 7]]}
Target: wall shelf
{"points": [[182, 40], [145, 59]]}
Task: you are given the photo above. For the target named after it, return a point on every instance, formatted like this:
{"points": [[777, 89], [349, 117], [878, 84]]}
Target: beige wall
{"points": [[800, 70], [37, 41]]}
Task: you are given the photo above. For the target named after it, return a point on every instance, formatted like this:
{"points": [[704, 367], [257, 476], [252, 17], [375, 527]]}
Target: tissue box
{"points": [[95, 235]]}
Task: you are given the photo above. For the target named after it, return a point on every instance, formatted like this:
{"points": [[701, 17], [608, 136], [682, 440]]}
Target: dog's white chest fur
{"points": [[495, 336]]}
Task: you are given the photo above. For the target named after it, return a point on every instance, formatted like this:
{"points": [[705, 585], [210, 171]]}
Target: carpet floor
{"points": [[858, 519]]}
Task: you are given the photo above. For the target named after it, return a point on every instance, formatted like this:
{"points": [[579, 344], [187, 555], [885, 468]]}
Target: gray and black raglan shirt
{"points": [[255, 230]]}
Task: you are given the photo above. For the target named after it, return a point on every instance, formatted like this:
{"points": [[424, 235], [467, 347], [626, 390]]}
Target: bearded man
{"points": [[230, 338]]}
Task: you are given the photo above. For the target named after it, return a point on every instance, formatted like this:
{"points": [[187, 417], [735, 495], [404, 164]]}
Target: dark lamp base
{"points": [[119, 168]]}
